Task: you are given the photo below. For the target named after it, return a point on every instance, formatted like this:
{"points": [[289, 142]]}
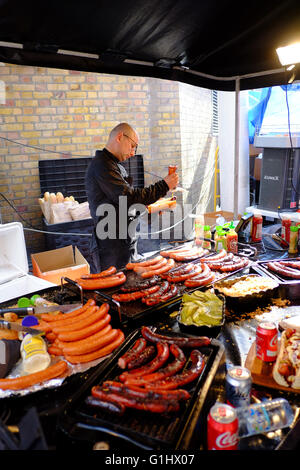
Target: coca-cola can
{"points": [[222, 428], [266, 341], [238, 384]]}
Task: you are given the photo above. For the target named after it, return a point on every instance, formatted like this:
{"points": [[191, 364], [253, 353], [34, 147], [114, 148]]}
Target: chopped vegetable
{"points": [[201, 309]]}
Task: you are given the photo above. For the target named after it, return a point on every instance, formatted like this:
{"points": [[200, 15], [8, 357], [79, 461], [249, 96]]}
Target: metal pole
{"points": [[236, 150]]}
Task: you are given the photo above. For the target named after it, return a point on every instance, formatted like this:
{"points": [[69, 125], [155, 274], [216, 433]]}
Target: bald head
{"points": [[122, 141]]}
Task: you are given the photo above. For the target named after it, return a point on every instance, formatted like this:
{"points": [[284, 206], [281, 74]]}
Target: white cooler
{"points": [[15, 280]]}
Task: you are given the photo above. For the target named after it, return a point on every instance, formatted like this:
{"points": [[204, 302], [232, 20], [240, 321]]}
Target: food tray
{"points": [[137, 311], [261, 372], [290, 287], [140, 429], [204, 330], [246, 302]]}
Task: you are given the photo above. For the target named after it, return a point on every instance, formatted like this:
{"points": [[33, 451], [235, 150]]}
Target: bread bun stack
{"points": [[58, 209]]}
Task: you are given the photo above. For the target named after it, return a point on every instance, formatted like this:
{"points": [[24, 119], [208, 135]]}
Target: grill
{"points": [[140, 429], [288, 288], [136, 310]]}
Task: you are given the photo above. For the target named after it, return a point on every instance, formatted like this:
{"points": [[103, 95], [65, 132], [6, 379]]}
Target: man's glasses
{"points": [[135, 144]]}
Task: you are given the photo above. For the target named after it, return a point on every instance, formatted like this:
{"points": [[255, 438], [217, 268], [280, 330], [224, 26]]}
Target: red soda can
{"points": [[172, 169], [222, 428], [266, 341]]}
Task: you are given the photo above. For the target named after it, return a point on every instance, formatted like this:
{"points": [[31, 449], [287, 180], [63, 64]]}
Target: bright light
{"points": [[289, 54]]}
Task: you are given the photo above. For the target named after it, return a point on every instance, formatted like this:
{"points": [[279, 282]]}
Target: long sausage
{"points": [[235, 264], [141, 285], [142, 358], [183, 249], [102, 325], [138, 392], [64, 316], [162, 290], [181, 341], [136, 349], [154, 300], [283, 270], [170, 263], [102, 283], [187, 376], [104, 351], [112, 407], [155, 406], [200, 281], [19, 383], [97, 315], [105, 273], [148, 262], [189, 256], [159, 360], [90, 344], [291, 264], [170, 369], [222, 254], [181, 269], [70, 321], [132, 296], [152, 267], [197, 269]]}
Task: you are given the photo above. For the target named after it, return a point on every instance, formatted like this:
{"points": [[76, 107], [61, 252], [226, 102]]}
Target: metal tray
{"points": [[139, 429], [290, 288], [250, 300]]}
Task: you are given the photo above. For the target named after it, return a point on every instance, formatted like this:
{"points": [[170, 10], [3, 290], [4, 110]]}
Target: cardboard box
{"points": [[63, 262], [210, 218]]}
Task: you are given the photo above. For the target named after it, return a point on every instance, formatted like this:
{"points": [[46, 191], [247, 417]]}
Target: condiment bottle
{"points": [[285, 228], [293, 246], [220, 240], [232, 240], [198, 233], [256, 228], [206, 234], [34, 354]]}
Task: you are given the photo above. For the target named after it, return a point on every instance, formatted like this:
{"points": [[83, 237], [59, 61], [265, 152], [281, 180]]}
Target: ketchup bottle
{"points": [[256, 229], [285, 229]]}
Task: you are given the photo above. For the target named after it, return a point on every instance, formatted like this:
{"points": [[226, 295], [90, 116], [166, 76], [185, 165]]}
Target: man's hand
{"points": [[172, 180]]}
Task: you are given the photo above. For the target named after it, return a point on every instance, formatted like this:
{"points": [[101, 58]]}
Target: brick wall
{"points": [[70, 113]]}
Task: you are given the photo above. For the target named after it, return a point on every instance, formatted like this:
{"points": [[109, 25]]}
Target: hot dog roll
{"points": [[286, 370]]}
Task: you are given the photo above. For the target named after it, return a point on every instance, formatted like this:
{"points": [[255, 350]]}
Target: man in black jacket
{"points": [[111, 199]]}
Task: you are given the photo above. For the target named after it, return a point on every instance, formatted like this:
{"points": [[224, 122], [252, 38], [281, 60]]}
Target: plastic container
{"points": [[34, 354], [285, 228], [232, 239], [293, 246], [264, 417], [220, 240], [206, 234], [256, 228]]}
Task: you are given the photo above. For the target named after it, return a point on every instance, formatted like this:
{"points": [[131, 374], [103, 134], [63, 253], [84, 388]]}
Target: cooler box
{"points": [[63, 262], [15, 280]]}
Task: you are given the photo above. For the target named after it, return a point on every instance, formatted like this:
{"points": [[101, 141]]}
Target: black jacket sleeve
{"points": [[113, 185]]}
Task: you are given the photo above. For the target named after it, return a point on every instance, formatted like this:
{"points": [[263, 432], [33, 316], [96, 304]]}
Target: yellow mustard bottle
{"points": [[34, 354]]}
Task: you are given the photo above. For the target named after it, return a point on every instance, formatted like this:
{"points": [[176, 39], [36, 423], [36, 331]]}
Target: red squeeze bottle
{"points": [[256, 232]]}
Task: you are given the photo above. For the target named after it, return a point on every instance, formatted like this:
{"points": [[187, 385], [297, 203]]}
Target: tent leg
{"points": [[236, 150]]}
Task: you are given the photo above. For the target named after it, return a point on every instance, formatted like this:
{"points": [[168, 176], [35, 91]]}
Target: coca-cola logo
{"points": [[273, 342], [226, 440]]}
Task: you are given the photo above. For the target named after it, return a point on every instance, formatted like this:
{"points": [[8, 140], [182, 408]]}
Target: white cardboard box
{"points": [[15, 280]]}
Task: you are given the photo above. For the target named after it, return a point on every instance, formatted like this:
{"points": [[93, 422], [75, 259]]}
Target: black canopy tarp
{"points": [[207, 43]]}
